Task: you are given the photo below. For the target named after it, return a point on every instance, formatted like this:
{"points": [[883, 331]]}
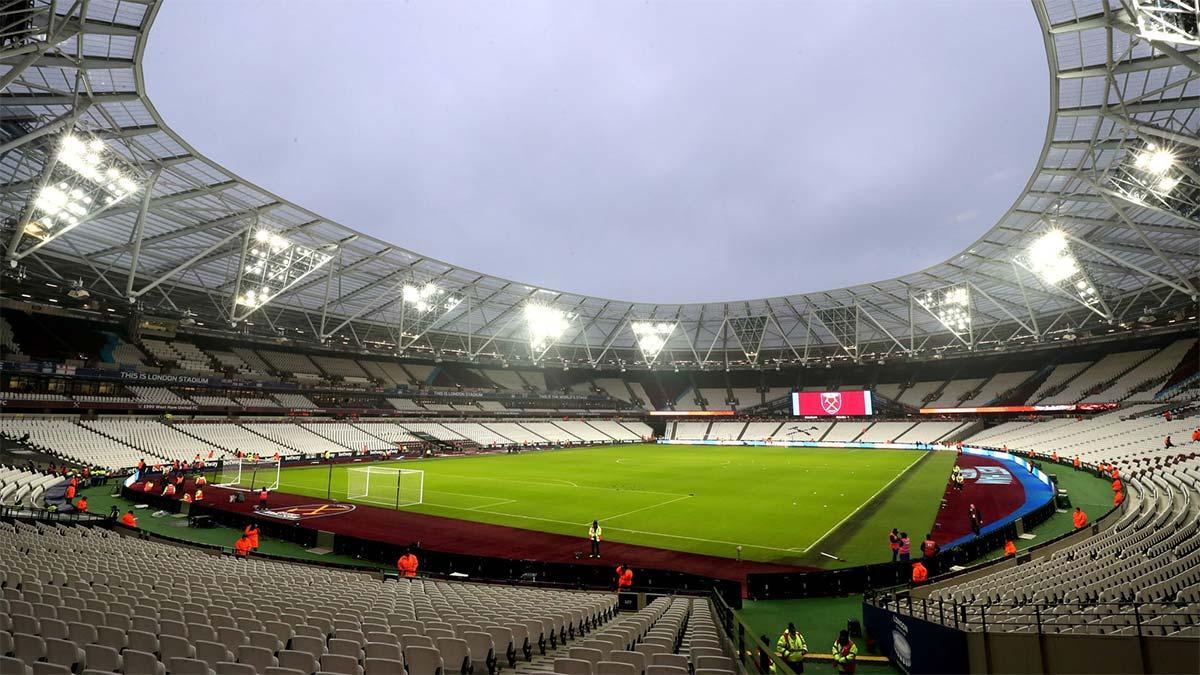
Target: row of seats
{"points": [[79, 599], [118, 443], [876, 432]]}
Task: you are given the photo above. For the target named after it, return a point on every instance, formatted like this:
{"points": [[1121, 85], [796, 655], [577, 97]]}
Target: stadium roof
{"points": [[185, 243]]}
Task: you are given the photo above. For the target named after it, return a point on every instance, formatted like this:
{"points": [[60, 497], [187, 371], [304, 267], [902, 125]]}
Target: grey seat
{"points": [[142, 663], [182, 666], [382, 650], [677, 660], [456, 655], [212, 653], [82, 634], [200, 631], [102, 657], [15, 666], [383, 667], [423, 661], [635, 659], [666, 670], [592, 656], [260, 658], [341, 664], [142, 641], [276, 670], [232, 638], [615, 668], [714, 662], [298, 660], [481, 648], [64, 653], [230, 668], [54, 628], [29, 648], [47, 668], [345, 648], [173, 646], [311, 645], [714, 671], [570, 666]]}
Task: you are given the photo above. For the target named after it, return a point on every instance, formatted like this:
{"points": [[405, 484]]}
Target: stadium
{"points": [[240, 438]]}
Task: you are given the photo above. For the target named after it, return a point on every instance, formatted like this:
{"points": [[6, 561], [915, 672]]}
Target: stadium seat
{"points": [[615, 668]]}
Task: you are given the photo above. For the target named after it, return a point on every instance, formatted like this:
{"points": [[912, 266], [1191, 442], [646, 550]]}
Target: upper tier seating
{"points": [[916, 394], [954, 391], [295, 364], [715, 398], [294, 401], [159, 396], [1152, 370], [387, 373], [1057, 377], [1107, 368], [346, 369], [1000, 383]]}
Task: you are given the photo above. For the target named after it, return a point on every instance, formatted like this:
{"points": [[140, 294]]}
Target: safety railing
{"points": [[1140, 619]]}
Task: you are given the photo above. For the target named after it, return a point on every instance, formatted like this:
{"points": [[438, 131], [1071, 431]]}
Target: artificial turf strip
{"points": [[818, 619], [910, 505], [100, 500], [774, 502]]}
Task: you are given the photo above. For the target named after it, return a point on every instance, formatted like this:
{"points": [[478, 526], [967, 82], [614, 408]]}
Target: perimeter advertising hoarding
{"points": [[832, 403]]}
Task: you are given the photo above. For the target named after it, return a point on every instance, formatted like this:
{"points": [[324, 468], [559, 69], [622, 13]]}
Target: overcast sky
{"points": [[650, 151]]}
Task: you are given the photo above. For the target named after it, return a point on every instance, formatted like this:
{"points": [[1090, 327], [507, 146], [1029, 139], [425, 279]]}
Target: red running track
{"points": [[451, 535], [994, 501]]}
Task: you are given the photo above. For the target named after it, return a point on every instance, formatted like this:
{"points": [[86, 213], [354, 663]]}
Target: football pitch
{"points": [[779, 504]]}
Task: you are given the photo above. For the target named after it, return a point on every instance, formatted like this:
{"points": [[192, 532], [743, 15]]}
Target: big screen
{"points": [[830, 403]]}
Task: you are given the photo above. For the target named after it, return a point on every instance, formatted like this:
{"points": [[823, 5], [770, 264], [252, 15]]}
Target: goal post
{"points": [[248, 474], [386, 486]]}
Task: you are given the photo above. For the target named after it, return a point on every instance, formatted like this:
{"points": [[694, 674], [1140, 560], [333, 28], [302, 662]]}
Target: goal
{"points": [[385, 485], [249, 474]]}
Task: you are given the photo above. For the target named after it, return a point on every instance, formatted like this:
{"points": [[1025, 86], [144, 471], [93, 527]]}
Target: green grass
{"points": [[777, 503]]}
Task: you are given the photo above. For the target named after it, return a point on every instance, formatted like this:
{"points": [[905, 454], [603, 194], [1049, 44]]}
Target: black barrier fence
{"points": [[865, 578], [755, 653], [922, 636]]}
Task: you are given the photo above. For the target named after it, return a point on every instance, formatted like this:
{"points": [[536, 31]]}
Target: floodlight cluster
{"points": [[1050, 258], [546, 325], [952, 307], [1168, 20], [85, 178], [652, 336], [428, 297], [272, 263]]}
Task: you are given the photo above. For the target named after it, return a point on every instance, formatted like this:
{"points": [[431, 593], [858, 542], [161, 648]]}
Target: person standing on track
{"points": [[792, 648], [594, 533], [1079, 518]]}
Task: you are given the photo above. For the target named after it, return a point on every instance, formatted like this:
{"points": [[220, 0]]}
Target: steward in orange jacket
{"points": [[919, 574], [241, 547], [128, 519], [1079, 518], [1118, 498], [1010, 549], [1076, 463], [251, 533], [407, 564], [624, 577]]}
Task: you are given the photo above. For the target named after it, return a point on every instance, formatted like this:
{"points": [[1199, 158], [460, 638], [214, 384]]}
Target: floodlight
{"points": [[651, 337], [1157, 177], [546, 325], [428, 297], [951, 306], [273, 264], [1050, 258], [83, 179], [1174, 21]]}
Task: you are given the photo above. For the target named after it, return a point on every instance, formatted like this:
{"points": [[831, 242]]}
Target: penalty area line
{"points": [[860, 506], [646, 508]]}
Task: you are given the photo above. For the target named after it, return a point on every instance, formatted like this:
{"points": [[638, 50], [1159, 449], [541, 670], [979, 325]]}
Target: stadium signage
{"points": [[1068, 407], [692, 413], [306, 511], [832, 403]]}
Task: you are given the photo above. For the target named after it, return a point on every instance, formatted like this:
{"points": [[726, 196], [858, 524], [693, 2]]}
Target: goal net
{"points": [[385, 485], [249, 474]]}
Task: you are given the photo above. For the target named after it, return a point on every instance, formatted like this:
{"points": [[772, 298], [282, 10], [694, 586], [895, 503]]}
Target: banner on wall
{"points": [[832, 403]]}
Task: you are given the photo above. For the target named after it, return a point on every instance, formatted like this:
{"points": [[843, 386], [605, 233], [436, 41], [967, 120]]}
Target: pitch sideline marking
{"points": [[860, 506], [646, 508]]}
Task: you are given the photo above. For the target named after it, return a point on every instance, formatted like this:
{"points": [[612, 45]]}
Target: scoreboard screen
{"points": [[832, 403]]}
